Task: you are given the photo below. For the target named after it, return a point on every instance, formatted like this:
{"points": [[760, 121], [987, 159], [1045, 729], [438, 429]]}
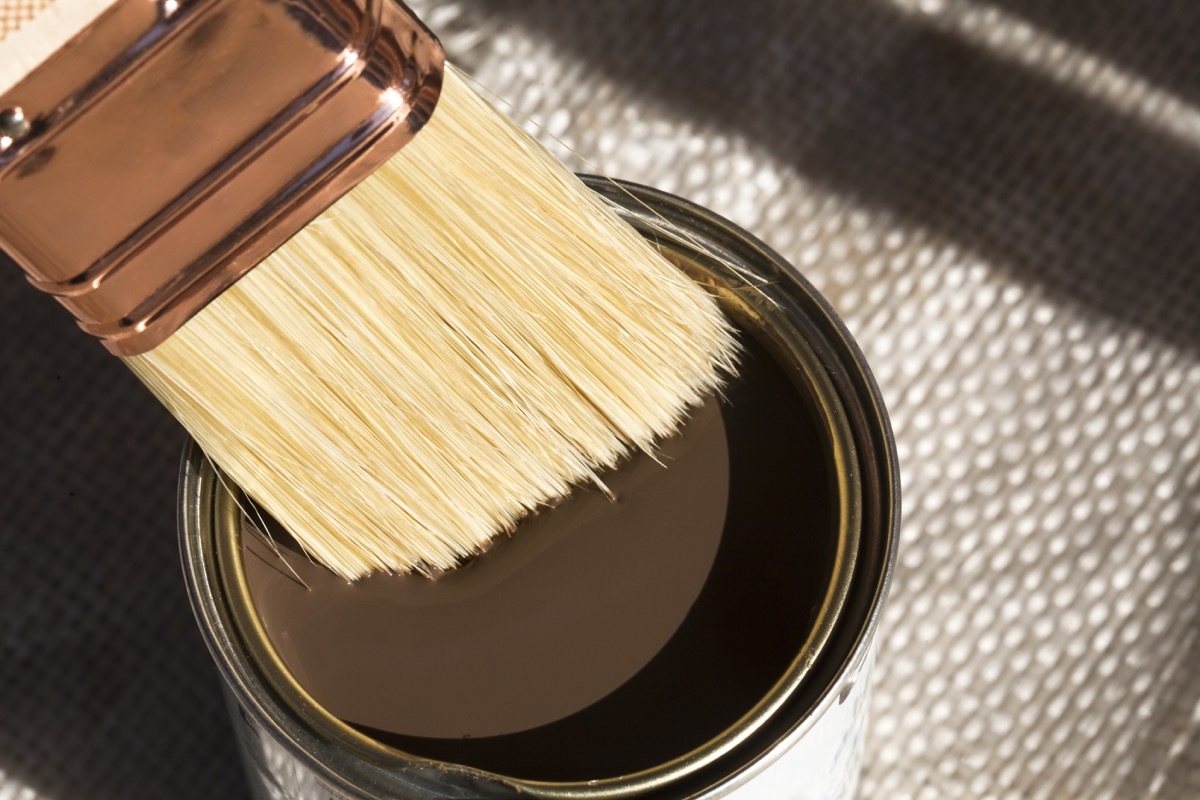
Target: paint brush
{"points": [[386, 312]]}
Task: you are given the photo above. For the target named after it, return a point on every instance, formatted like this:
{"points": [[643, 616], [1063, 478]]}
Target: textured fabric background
{"points": [[15, 13], [1002, 199]]}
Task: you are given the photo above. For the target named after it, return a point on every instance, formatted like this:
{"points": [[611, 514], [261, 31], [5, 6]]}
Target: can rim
{"points": [[736, 268]]}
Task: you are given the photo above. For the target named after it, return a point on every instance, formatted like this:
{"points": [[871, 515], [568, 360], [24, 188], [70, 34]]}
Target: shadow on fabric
{"points": [[106, 690], [885, 109]]}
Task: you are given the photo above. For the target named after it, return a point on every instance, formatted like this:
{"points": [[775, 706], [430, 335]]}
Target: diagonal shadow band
{"points": [[106, 689], [1157, 39], [1050, 185]]}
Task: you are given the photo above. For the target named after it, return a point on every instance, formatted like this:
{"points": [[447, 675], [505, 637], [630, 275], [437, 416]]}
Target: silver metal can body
{"points": [[802, 742], [821, 763]]}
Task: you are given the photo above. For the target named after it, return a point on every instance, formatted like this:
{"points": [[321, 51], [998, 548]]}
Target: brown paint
{"points": [[603, 637]]}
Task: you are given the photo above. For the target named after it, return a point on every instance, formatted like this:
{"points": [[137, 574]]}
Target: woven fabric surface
{"points": [[1000, 199], [15, 13]]}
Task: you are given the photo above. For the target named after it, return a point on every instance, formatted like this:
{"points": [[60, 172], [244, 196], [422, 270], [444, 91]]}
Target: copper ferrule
{"points": [[173, 144]]}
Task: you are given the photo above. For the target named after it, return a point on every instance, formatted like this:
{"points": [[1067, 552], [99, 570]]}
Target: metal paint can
{"points": [[802, 741]]}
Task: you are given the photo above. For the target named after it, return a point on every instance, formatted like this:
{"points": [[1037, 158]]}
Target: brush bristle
{"points": [[462, 338]]}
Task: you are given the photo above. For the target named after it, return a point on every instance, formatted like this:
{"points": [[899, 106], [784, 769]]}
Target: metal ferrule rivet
{"points": [[14, 126]]}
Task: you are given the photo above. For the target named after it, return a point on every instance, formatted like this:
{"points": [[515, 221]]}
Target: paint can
{"points": [[801, 739]]}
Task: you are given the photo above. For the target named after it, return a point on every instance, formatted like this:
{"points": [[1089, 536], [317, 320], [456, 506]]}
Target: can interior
{"points": [[746, 278]]}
